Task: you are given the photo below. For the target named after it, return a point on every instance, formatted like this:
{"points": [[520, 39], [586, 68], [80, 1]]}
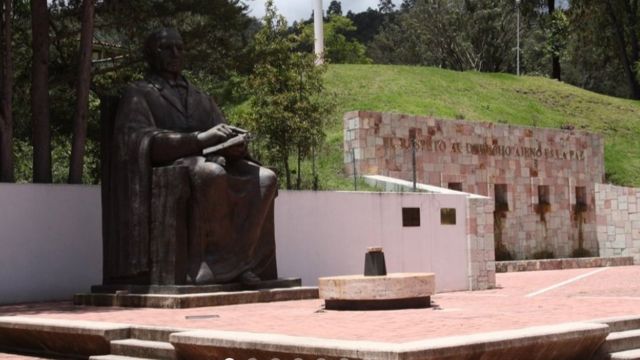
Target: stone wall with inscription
{"points": [[542, 180]]}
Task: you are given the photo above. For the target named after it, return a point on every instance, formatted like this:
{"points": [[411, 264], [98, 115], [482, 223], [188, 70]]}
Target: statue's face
{"points": [[169, 52]]}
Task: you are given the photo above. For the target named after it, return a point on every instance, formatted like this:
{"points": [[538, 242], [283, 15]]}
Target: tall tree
{"points": [[407, 4], [616, 26], [454, 34], [367, 23], [623, 15], [6, 96], [288, 102], [82, 92], [339, 49], [555, 57], [386, 6], [335, 8], [41, 137]]}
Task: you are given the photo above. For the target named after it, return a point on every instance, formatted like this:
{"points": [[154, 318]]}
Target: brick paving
{"points": [[5, 356], [603, 292]]}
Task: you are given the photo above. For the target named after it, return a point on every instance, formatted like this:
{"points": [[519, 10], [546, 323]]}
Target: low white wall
{"points": [[50, 241], [327, 233]]}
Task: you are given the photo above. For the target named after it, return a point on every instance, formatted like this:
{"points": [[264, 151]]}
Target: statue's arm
{"points": [[169, 146]]}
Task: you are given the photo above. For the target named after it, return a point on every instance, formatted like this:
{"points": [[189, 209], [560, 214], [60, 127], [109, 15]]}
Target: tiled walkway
{"points": [[521, 300], [4, 356]]}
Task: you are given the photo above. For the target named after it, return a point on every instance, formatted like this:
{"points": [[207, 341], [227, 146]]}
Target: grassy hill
{"points": [[504, 98]]}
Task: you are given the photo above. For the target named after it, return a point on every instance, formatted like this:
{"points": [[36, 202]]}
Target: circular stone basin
{"points": [[392, 291]]}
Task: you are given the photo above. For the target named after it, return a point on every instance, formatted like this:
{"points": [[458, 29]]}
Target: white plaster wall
{"points": [[50, 241], [327, 233]]}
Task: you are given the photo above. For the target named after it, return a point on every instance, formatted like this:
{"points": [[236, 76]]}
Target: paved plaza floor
{"points": [[4, 356], [520, 300]]}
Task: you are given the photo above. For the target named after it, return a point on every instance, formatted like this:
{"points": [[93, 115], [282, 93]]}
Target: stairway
{"points": [[623, 341], [145, 344]]}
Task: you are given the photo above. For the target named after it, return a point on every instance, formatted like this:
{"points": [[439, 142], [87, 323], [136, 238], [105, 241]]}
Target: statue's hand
{"points": [[215, 135]]}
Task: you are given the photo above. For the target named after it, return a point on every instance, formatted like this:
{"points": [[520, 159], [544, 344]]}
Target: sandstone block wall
{"points": [[558, 264], [562, 165], [618, 216], [480, 239]]}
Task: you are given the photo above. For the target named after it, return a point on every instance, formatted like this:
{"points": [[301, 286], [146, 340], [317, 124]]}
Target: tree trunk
{"points": [[6, 98], [627, 63], [555, 58], [314, 170], [82, 91], [287, 171], [41, 137], [555, 70], [632, 15], [299, 175]]}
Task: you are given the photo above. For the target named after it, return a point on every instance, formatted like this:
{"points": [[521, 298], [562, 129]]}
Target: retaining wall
{"points": [[51, 239]]}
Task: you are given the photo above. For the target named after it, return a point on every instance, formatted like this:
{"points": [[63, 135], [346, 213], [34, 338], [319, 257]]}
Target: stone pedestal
{"points": [[393, 291], [188, 296]]}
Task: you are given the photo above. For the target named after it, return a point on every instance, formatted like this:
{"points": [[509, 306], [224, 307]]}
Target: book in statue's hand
{"points": [[237, 140]]}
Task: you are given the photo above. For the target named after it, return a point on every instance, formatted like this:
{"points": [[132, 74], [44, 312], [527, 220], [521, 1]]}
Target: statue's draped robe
{"points": [[152, 107]]}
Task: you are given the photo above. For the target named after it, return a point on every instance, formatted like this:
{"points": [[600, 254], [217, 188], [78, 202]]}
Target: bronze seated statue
{"points": [[183, 201]]}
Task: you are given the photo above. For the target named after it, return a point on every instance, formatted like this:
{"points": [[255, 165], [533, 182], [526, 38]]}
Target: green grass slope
{"points": [[504, 98]]}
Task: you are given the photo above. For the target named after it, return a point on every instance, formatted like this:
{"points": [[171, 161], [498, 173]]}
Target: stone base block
{"points": [[180, 301], [388, 304], [564, 263], [392, 291], [195, 289]]}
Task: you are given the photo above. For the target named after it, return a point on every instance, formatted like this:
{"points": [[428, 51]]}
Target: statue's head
{"points": [[163, 51]]}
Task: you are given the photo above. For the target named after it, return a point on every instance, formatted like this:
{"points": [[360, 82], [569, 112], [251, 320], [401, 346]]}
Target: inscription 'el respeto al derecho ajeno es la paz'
{"points": [[485, 149]]}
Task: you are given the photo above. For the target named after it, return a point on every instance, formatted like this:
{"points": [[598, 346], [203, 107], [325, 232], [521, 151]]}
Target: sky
{"points": [[301, 9]]}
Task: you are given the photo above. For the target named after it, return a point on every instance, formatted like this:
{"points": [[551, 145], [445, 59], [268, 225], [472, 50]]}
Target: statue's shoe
{"points": [[249, 278], [205, 276]]}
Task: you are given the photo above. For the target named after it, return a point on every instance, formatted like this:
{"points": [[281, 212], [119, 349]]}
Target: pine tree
{"points": [[288, 105]]}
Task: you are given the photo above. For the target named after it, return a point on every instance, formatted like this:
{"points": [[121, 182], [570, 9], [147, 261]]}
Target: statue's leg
{"points": [[209, 217], [264, 183]]}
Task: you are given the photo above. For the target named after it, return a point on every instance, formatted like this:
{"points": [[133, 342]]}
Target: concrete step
{"points": [[626, 355], [158, 350], [153, 333], [115, 357], [623, 340], [621, 323], [62, 337]]}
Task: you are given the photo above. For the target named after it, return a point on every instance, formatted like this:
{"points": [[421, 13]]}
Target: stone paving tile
{"points": [[611, 292]]}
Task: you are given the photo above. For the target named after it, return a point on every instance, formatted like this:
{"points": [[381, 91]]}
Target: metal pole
{"points": [[355, 177], [413, 160], [318, 31], [518, 37]]}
